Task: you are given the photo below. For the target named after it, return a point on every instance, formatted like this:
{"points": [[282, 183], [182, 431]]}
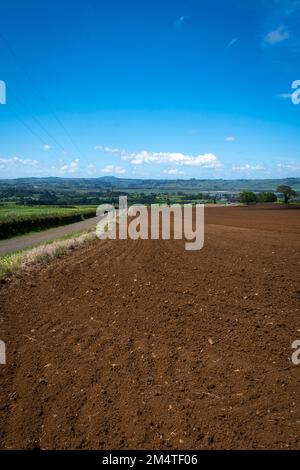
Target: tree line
{"points": [[249, 197]]}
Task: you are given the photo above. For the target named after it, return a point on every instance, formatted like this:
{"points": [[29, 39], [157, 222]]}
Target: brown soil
{"points": [[141, 344]]}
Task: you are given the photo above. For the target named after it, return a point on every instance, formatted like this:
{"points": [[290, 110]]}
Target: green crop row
{"points": [[19, 220]]}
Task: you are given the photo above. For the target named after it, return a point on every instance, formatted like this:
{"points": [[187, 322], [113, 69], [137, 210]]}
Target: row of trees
{"points": [[249, 197]]}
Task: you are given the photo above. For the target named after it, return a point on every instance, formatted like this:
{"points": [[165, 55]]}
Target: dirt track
{"points": [[140, 344]]}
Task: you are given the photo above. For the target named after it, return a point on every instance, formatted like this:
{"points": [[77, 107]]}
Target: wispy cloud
{"points": [[247, 168], [72, 167], [180, 21], [111, 169], [290, 6], [173, 172], [276, 36], [106, 149], [231, 42], [230, 138], [17, 162], [47, 147], [289, 166], [91, 169]]}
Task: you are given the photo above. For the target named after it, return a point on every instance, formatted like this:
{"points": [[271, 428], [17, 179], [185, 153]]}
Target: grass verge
{"points": [[18, 260]]}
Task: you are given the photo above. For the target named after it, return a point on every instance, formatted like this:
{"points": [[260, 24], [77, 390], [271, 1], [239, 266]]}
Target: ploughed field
{"points": [[141, 344]]}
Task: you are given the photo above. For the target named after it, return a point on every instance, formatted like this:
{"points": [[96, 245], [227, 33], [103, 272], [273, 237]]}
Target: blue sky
{"points": [[150, 89]]}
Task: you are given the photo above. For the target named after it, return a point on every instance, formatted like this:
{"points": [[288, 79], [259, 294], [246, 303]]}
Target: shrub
{"points": [[247, 197], [267, 197]]}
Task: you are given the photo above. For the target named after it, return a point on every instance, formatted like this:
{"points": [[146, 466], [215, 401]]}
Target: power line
{"points": [[29, 128], [38, 93], [40, 124]]}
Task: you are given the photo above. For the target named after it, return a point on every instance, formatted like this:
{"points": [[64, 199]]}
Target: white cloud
{"points": [[179, 22], [230, 138], [207, 160], [248, 168], [106, 149], [17, 162], [47, 147], [276, 36], [173, 171], [91, 169], [289, 166], [231, 43], [112, 169], [72, 167]]}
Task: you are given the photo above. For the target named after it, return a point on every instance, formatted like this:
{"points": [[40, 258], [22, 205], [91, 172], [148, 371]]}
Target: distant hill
{"points": [[106, 182]]}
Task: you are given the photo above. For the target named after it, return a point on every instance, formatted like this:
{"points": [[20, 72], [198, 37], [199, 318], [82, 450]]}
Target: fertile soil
{"points": [[143, 345]]}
